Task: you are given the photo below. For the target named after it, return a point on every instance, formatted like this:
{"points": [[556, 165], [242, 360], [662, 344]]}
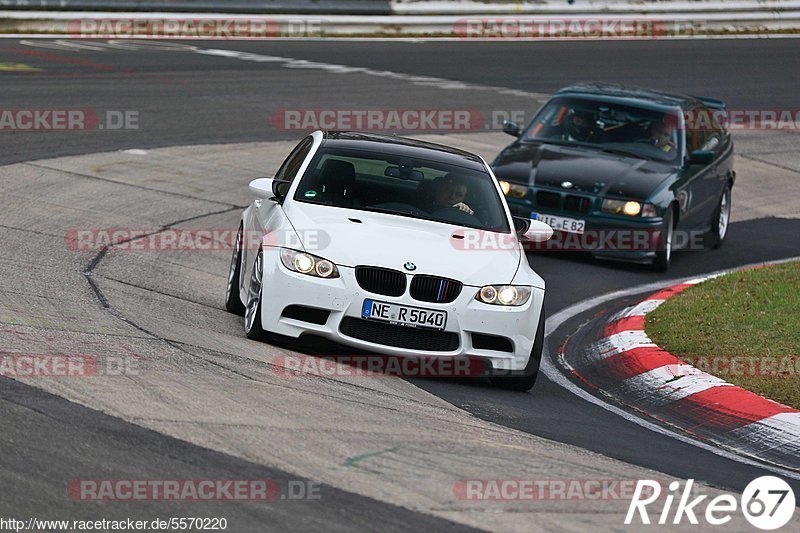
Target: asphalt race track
{"points": [[187, 94], [186, 98]]}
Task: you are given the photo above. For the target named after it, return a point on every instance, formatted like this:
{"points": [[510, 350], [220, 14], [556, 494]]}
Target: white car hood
{"points": [[390, 241]]}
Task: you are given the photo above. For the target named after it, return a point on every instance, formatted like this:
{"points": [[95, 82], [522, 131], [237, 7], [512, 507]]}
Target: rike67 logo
{"points": [[767, 502]]}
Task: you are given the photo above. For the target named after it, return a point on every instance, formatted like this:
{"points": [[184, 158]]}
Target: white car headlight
{"points": [[508, 295], [308, 264]]}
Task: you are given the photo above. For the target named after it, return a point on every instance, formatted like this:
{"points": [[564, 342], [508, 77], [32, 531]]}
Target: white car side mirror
{"points": [[262, 187], [538, 231]]}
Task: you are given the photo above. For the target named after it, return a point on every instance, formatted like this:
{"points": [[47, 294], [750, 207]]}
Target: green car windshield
{"points": [[623, 129]]}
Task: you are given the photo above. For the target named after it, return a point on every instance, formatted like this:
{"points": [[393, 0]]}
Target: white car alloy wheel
{"points": [[252, 313]]}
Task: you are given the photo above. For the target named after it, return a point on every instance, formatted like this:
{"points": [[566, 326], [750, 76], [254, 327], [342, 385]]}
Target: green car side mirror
{"points": [[512, 128], [701, 157]]}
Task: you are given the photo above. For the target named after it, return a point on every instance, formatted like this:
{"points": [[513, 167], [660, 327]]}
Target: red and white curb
{"points": [[613, 356]]}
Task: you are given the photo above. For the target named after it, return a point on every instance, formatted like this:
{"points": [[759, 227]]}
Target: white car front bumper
{"points": [[343, 298]]}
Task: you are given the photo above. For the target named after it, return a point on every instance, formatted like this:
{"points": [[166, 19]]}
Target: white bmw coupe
{"points": [[394, 246]]}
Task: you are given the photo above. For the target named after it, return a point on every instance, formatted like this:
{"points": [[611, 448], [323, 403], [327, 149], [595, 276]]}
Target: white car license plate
{"points": [[570, 225], [404, 315]]}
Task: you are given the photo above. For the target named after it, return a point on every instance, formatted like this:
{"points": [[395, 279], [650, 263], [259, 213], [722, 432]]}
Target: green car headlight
{"points": [[308, 264], [508, 295], [629, 208], [514, 190]]}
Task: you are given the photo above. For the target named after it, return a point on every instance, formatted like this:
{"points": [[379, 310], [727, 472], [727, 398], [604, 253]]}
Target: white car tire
{"points": [[233, 303], [252, 312], [526, 381]]}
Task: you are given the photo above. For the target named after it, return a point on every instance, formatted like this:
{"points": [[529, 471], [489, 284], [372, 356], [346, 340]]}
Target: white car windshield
{"points": [[423, 189]]}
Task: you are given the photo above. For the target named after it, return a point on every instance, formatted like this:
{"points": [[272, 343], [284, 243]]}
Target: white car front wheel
{"points": [[252, 312], [527, 380]]}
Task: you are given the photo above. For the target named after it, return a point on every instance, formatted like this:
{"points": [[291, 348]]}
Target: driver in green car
{"points": [[581, 126], [662, 136]]}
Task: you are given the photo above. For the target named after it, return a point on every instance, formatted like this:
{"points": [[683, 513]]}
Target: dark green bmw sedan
{"points": [[624, 173]]}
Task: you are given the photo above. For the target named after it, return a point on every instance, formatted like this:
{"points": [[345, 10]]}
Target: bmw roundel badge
{"points": [[410, 266]]}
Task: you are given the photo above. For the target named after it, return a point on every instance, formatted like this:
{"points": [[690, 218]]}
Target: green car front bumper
{"points": [[604, 235]]}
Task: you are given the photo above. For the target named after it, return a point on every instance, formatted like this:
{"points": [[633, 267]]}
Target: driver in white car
{"points": [[450, 191]]}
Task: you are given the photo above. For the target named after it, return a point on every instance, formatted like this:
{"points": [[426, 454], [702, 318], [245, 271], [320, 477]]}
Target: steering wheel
{"points": [[482, 215], [452, 214]]}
